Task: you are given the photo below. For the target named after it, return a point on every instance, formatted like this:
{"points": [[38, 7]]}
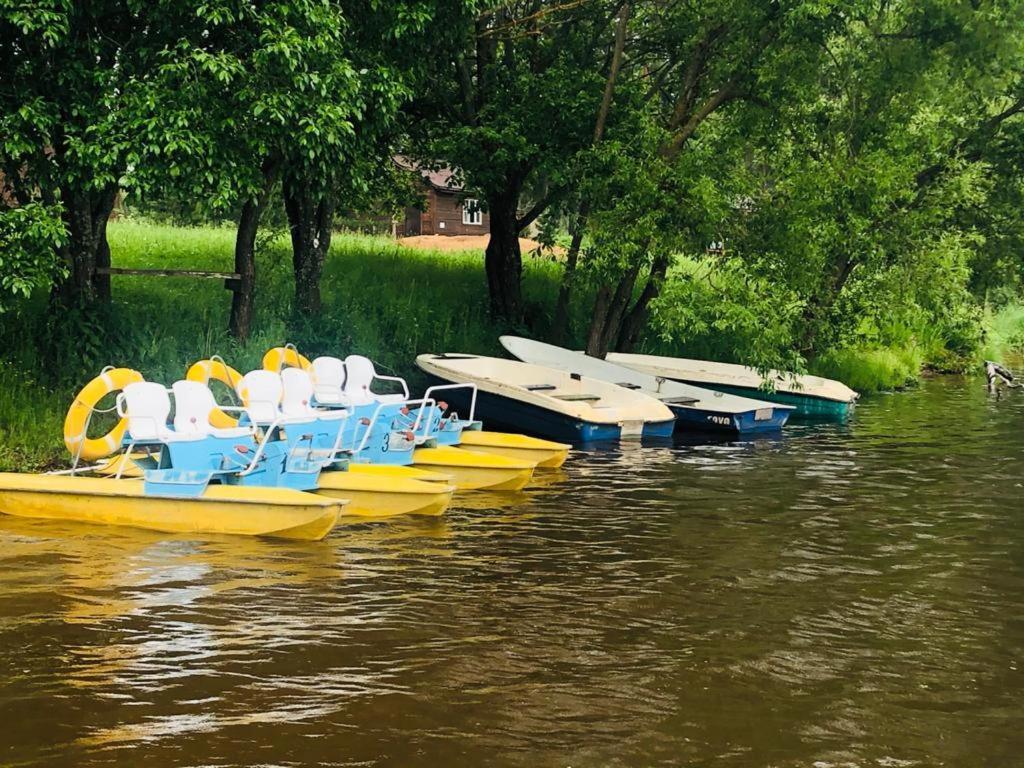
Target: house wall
{"points": [[447, 209], [442, 208]]}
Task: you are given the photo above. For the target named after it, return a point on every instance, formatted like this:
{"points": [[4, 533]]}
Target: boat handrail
{"points": [[289, 345], [218, 359], [369, 424], [85, 430], [422, 403], [472, 401], [332, 454]]}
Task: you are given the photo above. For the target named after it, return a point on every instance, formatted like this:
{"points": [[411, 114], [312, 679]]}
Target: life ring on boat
{"points": [[77, 421], [284, 357], [206, 370]]}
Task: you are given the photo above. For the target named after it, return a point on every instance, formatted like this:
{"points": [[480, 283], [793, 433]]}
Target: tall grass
{"points": [[379, 299], [1004, 332], [871, 370]]}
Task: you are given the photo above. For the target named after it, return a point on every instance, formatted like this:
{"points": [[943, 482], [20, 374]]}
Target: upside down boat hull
{"points": [[695, 408], [807, 407], [381, 496], [545, 454], [472, 471], [812, 397], [275, 512], [689, 418]]}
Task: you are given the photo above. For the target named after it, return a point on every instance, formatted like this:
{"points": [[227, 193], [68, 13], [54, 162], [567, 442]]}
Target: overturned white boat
{"points": [[812, 396], [549, 402], [694, 407]]}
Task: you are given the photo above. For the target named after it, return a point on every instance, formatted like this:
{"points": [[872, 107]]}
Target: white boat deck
{"points": [[733, 375], [667, 391], [580, 397]]}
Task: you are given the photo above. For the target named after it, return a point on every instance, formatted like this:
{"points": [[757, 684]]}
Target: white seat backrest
{"points": [[298, 393], [193, 402], [329, 380], [148, 406], [261, 394], [360, 373]]}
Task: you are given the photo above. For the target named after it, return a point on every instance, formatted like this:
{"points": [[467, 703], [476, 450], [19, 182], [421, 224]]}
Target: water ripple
{"points": [[840, 596]]}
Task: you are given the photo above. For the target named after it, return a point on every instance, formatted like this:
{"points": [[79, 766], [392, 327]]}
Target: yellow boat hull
{"points": [[475, 471], [381, 496], [543, 453], [277, 512], [404, 472]]}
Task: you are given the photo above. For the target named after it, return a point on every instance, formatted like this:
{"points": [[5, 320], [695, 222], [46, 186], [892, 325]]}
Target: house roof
{"points": [[441, 179]]}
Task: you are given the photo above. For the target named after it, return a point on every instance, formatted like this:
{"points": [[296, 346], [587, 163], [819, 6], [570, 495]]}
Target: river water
{"points": [[837, 596]]}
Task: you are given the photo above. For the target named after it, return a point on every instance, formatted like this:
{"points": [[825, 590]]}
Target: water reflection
{"points": [[842, 595]]}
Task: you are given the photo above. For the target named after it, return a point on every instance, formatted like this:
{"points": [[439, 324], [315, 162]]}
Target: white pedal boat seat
{"points": [[297, 397], [329, 381], [148, 407], [193, 404], [360, 375]]}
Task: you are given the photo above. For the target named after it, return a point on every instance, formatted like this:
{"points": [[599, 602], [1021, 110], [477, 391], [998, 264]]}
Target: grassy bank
{"points": [[380, 299], [387, 302]]}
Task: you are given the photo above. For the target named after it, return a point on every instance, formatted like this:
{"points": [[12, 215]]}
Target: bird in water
{"points": [[998, 374]]}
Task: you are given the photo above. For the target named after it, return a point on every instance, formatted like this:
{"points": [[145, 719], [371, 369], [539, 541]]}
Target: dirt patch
{"points": [[451, 243]]}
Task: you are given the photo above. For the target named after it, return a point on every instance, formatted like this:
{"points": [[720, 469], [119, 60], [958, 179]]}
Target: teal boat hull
{"points": [[807, 406]]}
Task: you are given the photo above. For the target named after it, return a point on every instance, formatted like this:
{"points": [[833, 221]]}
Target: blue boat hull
{"points": [[744, 423], [807, 407], [660, 428], [514, 415]]}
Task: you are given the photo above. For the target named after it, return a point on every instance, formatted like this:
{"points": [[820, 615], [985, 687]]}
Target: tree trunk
{"points": [[243, 295], [502, 259], [635, 320], [822, 302], [618, 325], [85, 216], [309, 221], [609, 310], [595, 338], [102, 282], [560, 322], [244, 291]]}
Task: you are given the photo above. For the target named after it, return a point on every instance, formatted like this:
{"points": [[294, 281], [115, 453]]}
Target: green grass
{"points": [[381, 300], [1004, 332], [871, 370]]}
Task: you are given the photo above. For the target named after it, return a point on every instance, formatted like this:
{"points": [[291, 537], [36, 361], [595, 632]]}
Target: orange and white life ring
{"points": [[284, 357], [77, 421]]}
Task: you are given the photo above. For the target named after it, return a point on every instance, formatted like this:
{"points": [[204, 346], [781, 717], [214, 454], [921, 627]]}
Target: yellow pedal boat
{"points": [[400, 471], [278, 512], [543, 453], [475, 471], [372, 490], [372, 495]]}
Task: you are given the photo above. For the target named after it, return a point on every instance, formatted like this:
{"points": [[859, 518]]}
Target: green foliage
{"points": [[868, 197], [30, 237], [243, 89], [380, 299], [722, 312], [512, 93], [31, 422]]}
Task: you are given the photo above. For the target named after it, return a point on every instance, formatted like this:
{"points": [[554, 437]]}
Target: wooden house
{"points": [[446, 211]]}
